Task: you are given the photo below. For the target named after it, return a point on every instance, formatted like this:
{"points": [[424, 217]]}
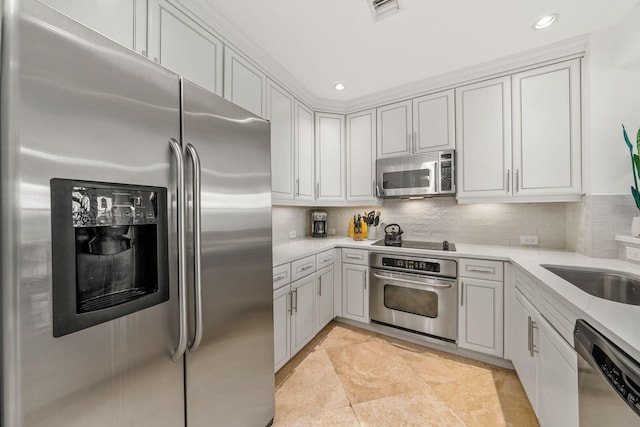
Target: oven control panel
{"points": [[410, 264]]}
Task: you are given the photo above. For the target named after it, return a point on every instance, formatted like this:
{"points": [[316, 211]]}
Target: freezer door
{"points": [[229, 376], [76, 105]]}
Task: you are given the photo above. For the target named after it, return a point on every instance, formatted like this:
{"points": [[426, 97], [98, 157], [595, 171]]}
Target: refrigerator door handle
{"points": [[197, 245], [182, 254]]}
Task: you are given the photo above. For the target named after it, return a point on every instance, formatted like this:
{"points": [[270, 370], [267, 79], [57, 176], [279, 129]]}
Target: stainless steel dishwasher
{"points": [[608, 381]]}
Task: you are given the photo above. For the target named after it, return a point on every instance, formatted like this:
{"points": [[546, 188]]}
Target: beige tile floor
{"points": [[348, 376]]}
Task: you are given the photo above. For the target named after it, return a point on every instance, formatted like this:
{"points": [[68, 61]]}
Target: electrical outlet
{"points": [[292, 234], [529, 240], [633, 253], [331, 231]]}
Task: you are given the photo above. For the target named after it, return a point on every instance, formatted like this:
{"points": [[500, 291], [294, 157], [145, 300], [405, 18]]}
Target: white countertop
{"points": [[619, 322]]}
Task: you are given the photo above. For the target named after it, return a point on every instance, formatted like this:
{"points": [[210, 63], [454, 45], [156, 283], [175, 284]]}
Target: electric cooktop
{"points": [[417, 244]]}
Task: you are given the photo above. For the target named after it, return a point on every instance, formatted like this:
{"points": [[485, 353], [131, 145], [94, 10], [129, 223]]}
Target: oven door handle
{"points": [[415, 282]]}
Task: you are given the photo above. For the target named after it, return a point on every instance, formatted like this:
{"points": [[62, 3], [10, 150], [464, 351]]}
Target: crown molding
{"points": [[567, 49], [233, 37]]}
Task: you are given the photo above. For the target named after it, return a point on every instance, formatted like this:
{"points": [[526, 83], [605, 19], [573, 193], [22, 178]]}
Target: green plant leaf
{"points": [[626, 139], [636, 197]]}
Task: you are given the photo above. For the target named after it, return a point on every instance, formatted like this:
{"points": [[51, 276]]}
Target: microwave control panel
{"points": [[446, 172]]}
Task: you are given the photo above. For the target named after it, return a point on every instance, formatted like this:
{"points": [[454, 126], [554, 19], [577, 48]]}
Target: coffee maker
{"points": [[318, 224]]}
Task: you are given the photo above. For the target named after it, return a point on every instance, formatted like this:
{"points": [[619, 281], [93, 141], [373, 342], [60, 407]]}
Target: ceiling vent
{"points": [[381, 9]]}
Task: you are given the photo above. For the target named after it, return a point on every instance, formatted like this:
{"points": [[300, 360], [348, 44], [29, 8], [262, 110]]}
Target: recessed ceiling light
{"points": [[545, 21], [340, 86]]}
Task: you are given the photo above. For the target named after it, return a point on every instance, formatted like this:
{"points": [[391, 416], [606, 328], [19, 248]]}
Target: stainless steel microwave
{"points": [[429, 174]]}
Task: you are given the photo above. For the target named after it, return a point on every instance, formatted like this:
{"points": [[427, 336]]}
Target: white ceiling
{"points": [[323, 42]]}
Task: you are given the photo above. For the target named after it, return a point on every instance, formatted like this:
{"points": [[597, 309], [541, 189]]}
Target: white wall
{"points": [[612, 84]]}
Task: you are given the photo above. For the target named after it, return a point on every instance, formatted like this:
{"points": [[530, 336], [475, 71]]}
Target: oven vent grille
{"points": [[383, 8]]}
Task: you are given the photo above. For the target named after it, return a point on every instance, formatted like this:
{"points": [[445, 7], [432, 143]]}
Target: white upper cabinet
{"points": [[546, 130], [542, 160], [330, 157], [304, 155], [417, 126], [280, 111], [394, 130], [244, 84], [124, 21], [484, 138], [434, 122], [361, 156], [183, 46]]}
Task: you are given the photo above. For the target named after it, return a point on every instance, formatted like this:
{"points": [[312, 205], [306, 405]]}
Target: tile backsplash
{"points": [[593, 223], [588, 227]]}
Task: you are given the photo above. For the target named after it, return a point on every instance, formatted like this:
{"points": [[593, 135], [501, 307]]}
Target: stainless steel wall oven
{"points": [[415, 293]]}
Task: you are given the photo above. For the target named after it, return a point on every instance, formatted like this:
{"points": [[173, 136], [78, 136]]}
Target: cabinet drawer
{"points": [[303, 267], [355, 256], [324, 259], [481, 269], [281, 275]]}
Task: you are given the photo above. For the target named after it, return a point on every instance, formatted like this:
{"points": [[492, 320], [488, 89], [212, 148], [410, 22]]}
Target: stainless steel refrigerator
{"points": [[135, 225]]}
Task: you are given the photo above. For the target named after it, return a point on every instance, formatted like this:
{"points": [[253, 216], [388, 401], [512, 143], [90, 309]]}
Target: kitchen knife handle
{"points": [[197, 245], [182, 253]]}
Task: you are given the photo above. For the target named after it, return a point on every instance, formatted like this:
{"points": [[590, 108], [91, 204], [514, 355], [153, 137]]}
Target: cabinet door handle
{"points": [[298, 187], [409, 140], [306, 267], [508, 180], [517, 180], [317, 189], [461, 294], [415, 142], [320, 286], [353, 256], [290, 302], [323, 260], [478, 269], [279, 277], [529, 336], [534, 349], [295, 295]]}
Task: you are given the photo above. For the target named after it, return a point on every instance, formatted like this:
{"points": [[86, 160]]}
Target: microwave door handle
{"points": [[197, 245], [182, 254]]}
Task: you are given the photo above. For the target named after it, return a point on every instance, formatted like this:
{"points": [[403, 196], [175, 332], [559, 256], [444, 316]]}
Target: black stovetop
{"points": [[417, 244]]}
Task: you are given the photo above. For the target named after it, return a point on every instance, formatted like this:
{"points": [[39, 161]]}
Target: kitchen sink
{"points": [[611, 285]]}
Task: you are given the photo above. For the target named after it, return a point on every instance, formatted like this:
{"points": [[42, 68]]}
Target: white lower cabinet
{"points": [[281, 327], [480, 321], [522, 346], [303, 312], [355, 292], [481, 306], [303, 301], [545, 363], [557, 379], [324, 297]]}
